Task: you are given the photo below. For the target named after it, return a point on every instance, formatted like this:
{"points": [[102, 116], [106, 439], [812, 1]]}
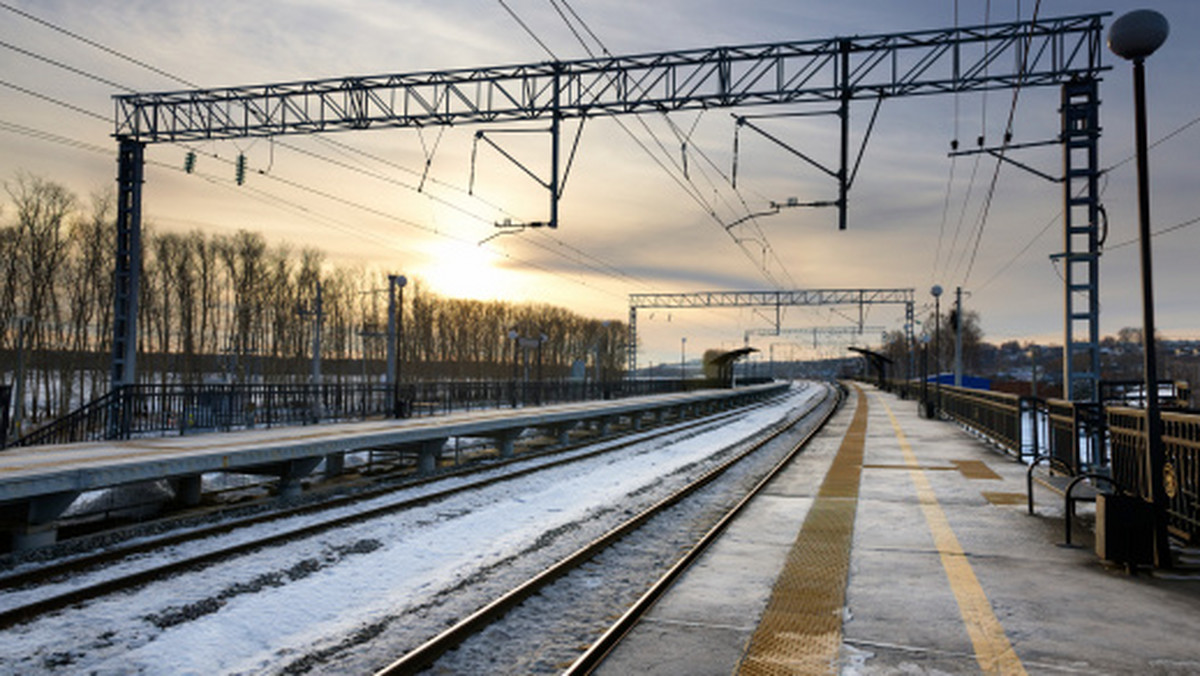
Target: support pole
{"points": [[128, 264], [958, 324], [395, 339], [318, 322], [555, 128], [844, 114], [391, 335], [631, 348]]}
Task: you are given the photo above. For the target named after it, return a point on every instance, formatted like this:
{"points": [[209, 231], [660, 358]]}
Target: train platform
{"points": [[901, 545], [38, 483]]}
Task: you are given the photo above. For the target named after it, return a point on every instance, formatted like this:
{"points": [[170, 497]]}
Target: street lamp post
{"points": [[1033, 377], [682, 361], [936, 291], [513, 335], [1133, 37]]}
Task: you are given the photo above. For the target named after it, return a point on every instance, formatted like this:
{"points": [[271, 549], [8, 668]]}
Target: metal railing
{"points": [[161, 410], [994, 414], [1088, 438], [1181, 444]]}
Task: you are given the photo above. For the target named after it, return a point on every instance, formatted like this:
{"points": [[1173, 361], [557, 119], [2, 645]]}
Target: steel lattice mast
{"points": [[835, 71]]}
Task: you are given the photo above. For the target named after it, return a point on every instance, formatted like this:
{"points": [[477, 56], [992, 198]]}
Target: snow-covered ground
{"points": [[414, 571]]}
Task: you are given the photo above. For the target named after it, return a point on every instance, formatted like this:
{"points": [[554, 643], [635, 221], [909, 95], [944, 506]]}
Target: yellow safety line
{"points": [[992, 649]]}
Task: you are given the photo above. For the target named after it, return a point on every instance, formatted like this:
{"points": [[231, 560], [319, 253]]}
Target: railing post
{"points": [[5, 396]]}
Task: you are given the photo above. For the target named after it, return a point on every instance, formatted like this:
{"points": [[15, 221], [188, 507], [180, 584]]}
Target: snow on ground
{"points": [[261, 611]]}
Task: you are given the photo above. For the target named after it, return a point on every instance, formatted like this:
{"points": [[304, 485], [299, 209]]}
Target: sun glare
{"points": [[464, 270]]}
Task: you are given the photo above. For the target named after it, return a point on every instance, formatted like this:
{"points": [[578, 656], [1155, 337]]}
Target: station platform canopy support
{"points": [[877, 361], [723, 363], [830, 72]]}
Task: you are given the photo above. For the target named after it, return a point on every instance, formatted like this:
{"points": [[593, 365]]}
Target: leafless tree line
{"points": [[232, 308]]}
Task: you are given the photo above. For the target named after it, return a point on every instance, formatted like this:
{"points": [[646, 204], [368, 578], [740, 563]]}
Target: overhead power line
{"points": [[97, 45], [64, 66], [62, 140], [1008, 127], [1105, 172], [675, 170], [56, 101], [1178, 226]]}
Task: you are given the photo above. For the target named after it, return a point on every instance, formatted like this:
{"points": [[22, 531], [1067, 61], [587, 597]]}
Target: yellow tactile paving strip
{"points": [[801, 629], [976, 469], [1000, 498], [992, 648]]}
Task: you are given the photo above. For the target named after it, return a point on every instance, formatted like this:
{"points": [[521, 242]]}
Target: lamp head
{"points": [[1138, 34]]}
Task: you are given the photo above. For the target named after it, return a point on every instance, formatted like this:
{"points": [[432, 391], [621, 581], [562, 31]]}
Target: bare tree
{"points": [[43, 209]]}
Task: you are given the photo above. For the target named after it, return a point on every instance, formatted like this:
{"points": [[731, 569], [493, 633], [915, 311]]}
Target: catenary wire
{"points": [[1008, 127], [49, 136], [693, 190]]}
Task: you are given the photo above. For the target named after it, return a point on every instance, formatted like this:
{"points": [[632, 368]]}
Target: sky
{"points": [[630, 221]]}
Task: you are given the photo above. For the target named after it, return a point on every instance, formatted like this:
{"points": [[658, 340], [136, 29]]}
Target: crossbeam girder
{"points": [[815, 331], [769, 299], [719, 299], [1042, 52]]}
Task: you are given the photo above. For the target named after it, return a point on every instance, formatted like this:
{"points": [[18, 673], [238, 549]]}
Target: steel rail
{"points": [[426, 654], [27, 612]]}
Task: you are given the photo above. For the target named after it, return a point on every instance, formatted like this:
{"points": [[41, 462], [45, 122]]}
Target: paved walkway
{"points": [[897, 544]]}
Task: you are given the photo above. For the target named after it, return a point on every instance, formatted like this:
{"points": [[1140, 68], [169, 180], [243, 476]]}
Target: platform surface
{"points": [[944, 573]]}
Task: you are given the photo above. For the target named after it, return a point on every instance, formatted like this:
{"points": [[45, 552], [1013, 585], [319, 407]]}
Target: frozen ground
{"points": [[407, 575]]}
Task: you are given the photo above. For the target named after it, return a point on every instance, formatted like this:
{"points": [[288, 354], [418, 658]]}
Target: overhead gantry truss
{"points": [[1036, 53], [717, 299], [815, 331], [768, 299]]}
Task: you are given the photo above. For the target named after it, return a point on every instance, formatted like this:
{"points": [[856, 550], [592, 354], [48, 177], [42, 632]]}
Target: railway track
{"points": [[488, 617], [350, 510]]}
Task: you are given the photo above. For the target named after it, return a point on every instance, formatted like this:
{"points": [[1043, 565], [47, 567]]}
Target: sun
{"points": [[464, 270]]}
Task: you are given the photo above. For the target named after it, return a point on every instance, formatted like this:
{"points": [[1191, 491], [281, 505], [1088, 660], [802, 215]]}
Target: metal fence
{"points": [[994, 414], [160, 410], [1181, 444], [1085, 437]]}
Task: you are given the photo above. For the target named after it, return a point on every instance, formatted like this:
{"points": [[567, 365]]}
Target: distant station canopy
{"points": [[723, 364], [877, 361]]}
